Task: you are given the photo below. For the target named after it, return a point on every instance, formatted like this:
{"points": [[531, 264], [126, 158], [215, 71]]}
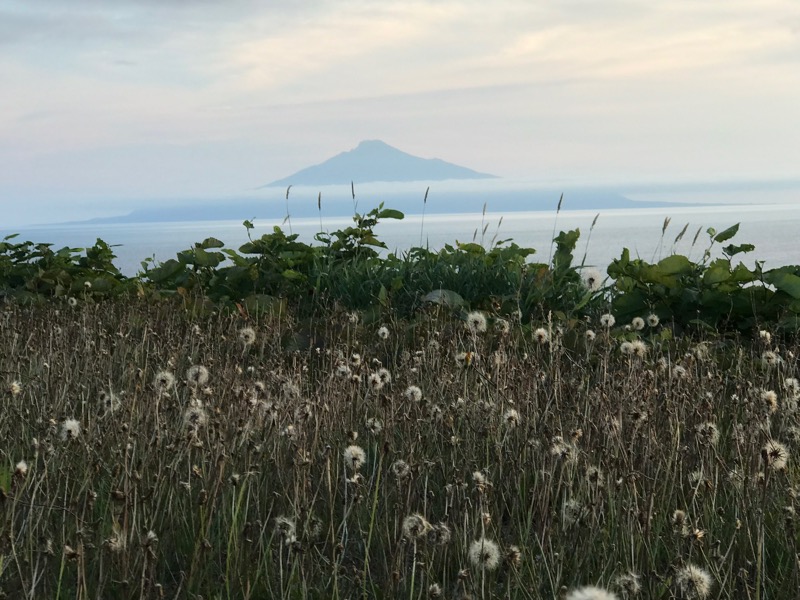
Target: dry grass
{"points": [[525, 465]]}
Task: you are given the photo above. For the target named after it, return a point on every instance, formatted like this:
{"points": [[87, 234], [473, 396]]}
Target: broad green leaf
{"points": [[212, 242], [724, 236], [390, 213], [733, 249], [784, 281], [445, 298], [676, 264]]}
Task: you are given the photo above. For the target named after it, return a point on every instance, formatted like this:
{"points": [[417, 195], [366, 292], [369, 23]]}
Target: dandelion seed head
{"points": [[639, 348], [109, 402], [541, 335], [383, 332], [590, 335], [652, 320], [413, 393], [195, 416], [607, 320], [374, 425], [693, 582], [637, 323], [707, 434], [197, 376], [355, 360], [476, 322], [777, 455], [343, 371], [354, 457], [511, 418], [502, 326], [70, 429], [590, 592], [769, 401], [440, 534], [484, 554], [163, 381], [21, 469], [434, 591], [15, 388], [765, 336], [247, 336], [415, 526], [401, 469], [385, 375], [593, 279], [629, 584], [770, 358]]}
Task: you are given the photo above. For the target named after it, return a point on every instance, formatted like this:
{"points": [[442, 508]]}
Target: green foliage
{"points": [[714, 294], [352, 268], [33, 272]]}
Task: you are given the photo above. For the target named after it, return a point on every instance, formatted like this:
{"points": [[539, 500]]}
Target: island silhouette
{"points": [[376, 161]]}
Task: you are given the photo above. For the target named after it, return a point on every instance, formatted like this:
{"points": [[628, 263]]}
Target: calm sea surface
{"points": [[773, 229]]}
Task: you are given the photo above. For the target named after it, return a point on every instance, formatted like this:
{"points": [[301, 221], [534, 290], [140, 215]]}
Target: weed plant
{"points": [[150, 453]]}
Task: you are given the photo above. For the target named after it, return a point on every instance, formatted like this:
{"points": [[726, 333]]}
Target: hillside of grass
{"points": [[296, 421]]}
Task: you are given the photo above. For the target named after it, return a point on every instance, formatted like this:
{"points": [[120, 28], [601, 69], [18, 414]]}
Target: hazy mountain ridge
{"points": [[373, 161]]}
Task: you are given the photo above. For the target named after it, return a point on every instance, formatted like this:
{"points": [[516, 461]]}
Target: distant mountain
{"points": [[374, 160]]}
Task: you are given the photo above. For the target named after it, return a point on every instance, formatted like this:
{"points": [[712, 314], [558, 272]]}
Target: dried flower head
{"points": [[374, 382], [440, 535], [465, 359], [385, 375], [590, 593], [639, 348], [70, 429], [413, 393], [434, 591], [354, 457], [197, 376], [383, 332], [476, 322], [769, 401], [541, 335], [164, 380], [195, 416], [629, 584], [770, 358], [247, 336], [592, 279], [707, 434], [21, 469], [401, 469], [692, 582], [502, 326], [415, 526], [511, 418], [484, 554], [15, 388], [776, 455], [109, 402], [374, 425]]}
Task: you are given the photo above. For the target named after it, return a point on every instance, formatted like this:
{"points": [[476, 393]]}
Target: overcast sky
{"points": [[106, 101]]}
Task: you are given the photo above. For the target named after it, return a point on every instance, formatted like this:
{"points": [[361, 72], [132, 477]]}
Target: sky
{"points": [[109, 104]]}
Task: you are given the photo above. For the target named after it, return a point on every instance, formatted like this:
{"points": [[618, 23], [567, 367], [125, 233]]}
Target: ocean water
{"points": [[773, 229]]}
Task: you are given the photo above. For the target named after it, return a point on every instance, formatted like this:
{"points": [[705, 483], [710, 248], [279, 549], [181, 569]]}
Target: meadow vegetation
{"points": [[296, 421]]}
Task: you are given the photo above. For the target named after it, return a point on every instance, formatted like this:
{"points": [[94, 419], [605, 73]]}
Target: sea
{"points": [[649, 233]]}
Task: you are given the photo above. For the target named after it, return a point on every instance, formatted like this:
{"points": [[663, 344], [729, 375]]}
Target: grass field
{"points": [[150, 454]]}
